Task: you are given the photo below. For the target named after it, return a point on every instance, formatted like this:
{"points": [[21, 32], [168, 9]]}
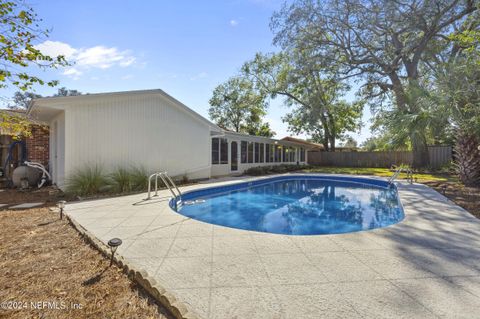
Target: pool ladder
{"points": [[397, 172], [169, 183]]}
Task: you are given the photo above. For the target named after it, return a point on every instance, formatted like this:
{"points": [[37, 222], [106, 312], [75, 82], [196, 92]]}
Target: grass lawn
{"points": [[383, 172]]}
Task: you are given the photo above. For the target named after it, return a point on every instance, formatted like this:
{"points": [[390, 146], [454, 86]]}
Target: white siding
{"points": [[141, 130]]}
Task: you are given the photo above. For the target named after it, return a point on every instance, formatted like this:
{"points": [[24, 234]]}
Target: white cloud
{"points": [[54, 48], [73, 72], [97, 57], [103, 57], [234, 22]]}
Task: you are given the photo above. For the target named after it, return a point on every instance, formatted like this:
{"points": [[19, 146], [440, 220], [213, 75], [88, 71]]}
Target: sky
{"points": [[185, 48]]}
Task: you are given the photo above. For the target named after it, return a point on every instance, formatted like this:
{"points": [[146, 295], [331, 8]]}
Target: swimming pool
{"points": [[297, 205]]}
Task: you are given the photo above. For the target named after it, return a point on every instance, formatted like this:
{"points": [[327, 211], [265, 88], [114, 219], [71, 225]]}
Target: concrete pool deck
{"points": [[427, 266]]}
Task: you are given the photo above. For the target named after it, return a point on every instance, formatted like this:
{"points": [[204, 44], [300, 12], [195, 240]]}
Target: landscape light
{"points": [[444, 189], [113, 244], [61, 206]]}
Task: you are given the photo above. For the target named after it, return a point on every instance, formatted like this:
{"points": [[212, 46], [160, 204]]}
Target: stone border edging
{"points": [[177, 308]]}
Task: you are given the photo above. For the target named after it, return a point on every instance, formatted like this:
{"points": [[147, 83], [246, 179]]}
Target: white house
{"points": [[153, 130]]}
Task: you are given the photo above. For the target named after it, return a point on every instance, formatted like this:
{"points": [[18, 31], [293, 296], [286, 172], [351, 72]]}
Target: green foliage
{"points": [[121, 180], [21, 100], [257, 171], [20, 29], [236, 105], [138, 178], [377, 143], [350, 142], [385, 46], [274, 169], [16, 125], [63, 91], [311, 89], [90, 180]]}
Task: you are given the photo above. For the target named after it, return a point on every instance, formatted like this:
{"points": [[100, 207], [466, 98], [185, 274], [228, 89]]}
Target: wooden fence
{"points": [[439, 156]]}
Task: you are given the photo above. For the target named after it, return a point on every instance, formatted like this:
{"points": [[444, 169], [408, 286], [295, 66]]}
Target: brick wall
{"points": [[37, 145]]}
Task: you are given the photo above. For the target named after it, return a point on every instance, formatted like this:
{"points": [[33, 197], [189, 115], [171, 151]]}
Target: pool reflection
{"points": [[302, 207]]}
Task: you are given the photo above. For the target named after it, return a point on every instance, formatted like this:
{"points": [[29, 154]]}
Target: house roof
{"points": [[304, 142], [21, 113], [60, 100], [16, 113]]}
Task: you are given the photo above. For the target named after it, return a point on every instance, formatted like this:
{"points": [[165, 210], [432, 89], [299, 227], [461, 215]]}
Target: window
{"points": [[262, 150], [285, 154], [267, 153], [272, 153], [215, 149], [243, 151], [292, 154], [219, 151], [250, 152], [223, 151], [257, 152], [302, 155], [278, 154]]}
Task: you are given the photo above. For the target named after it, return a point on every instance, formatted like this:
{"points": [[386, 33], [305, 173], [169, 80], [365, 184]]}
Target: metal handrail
{"points": [[169, 183], [397, 173], [173, 184]]}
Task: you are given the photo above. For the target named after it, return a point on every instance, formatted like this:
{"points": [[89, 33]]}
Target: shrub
{"points": [[279, 169], [121, 180], [92, 180], [125, 180], [256, 171], [138, 179], [274, 169], [88, 181]]}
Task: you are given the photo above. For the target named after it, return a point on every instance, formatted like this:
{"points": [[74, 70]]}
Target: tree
{"points": [[20, 29], [16, 125], [350, 142], [374, 143], [338, 119], [63, 91], [237, 106], [458, 86], [21, 100], [405, 128], [383, 43], [311, 89]]}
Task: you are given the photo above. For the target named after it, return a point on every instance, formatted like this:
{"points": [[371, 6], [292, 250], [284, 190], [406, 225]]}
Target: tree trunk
{"points": [[467, 158], [325, 144], [332, 143], [421, 157]]}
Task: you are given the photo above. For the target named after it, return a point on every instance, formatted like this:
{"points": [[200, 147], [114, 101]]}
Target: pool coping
{"points": [[167, 298], [140, 276]]}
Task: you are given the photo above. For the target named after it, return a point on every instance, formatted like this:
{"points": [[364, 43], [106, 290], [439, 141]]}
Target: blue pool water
{"points": [[298, 205]]}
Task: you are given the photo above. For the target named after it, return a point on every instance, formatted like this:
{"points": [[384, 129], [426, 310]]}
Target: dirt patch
{"points": [[466, 197], [50, 195], [46, 264]]}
